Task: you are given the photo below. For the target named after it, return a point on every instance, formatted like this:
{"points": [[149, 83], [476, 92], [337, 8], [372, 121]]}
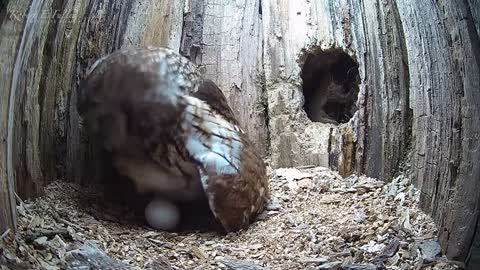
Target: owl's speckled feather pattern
{"points": [[173, 133]]}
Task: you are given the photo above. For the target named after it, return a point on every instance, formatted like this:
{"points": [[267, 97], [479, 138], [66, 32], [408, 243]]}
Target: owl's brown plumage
{"points": [[173, 133]]}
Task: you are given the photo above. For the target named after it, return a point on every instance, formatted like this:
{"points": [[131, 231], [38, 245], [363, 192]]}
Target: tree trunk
{"points": [[416, 111], [444, 55]]}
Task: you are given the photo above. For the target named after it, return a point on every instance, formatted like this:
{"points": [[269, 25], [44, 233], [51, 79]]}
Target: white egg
{"points": [[162, 214]]}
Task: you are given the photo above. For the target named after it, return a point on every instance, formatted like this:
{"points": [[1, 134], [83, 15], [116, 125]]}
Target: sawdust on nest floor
{"points": [[315, 220]]}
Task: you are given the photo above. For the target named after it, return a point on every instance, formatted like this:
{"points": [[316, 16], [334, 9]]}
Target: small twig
{"points": [[306, 167], [21, 202], [71, 224], [18, 198], [38, 232], [57, 217], [159, 242], [4, 234]]}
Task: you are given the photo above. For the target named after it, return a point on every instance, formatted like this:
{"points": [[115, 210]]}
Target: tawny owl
{"points": [[172, 133]]}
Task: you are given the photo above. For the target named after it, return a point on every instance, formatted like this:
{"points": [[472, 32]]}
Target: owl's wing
{"points": [[131, 103], [154, 74], [233, 175], [136, 101], [209, 92], [138, 89]]}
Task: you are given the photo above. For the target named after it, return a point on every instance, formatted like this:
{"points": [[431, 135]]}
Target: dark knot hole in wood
{"points": [[330, 86]]}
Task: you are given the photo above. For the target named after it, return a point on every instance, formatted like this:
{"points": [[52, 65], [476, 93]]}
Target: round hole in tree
{"points": [[330, 86]]}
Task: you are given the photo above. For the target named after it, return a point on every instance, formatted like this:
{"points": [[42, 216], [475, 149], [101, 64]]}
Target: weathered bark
{"points": [[387, 123], [418, 100], [444, 61], [11, 28]]}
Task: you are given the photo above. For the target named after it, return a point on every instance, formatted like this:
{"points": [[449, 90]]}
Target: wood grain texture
{"points": [[386, 126], [444, 62], [26, 82], [11, 28], [224, 38]]}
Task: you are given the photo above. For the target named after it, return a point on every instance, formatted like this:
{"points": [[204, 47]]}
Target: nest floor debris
{"points": [[315, 220]]}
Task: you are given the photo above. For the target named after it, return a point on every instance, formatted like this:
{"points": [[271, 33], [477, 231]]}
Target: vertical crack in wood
{"points": [[50, 157], [362, 129], [192, 31], [407, 120], [332, 157], [263, 83], [3, 10]]}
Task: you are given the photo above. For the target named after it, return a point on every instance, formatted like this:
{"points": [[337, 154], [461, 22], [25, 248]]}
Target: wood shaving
{"points": [[315, 220]]}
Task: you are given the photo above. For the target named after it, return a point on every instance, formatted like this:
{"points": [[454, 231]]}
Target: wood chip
{"points": [[299, 231]]}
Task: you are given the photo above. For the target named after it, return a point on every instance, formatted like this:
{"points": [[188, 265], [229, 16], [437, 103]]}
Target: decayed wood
{"points": [[154, 23], [417, 107], [292, 29], [26, 83], [444, 64], [59, 80], [386, 124], [11, 19]]}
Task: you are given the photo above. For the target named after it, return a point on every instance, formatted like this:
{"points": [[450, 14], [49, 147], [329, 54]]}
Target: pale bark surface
{"points": [[418, 103]]}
